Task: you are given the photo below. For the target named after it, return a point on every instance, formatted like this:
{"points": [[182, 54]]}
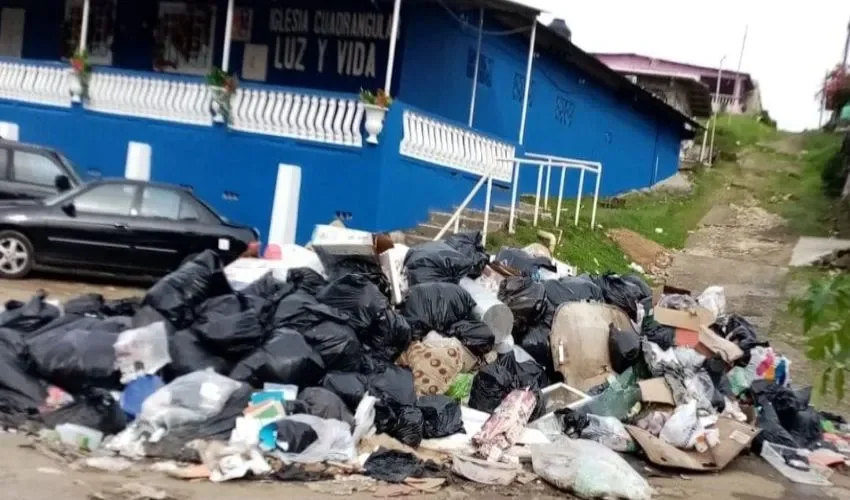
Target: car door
{"points": [[33, 174], [7, 189], [92, 228]]}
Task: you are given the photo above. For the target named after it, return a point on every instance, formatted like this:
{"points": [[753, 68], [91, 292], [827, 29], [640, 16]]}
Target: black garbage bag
{"points": [[89, 304], [269, 287], [306, 280], [525, 298], [301, 311], [350, 387], [495, 381], [393, 385], [128, 306], [337, 344], [325, 404], [401, 422], [21, 394], [572, 289], [536, 343], [523, 262], [178, 295], [771, 430], [76, 360], [625, 293], [96, 409], [470, 245], [474, 335], [356, 264], [28, 317], [189, 354], [655, 332], [623, 347], [357, 297], [229, 327], [389, 336], [395, 466], [716, 369], [436, 306], [147, 315], [285, 358], [172, 446], [371, 364], [783, 399], [297, 436], [436, 262], [744, 334], [441, 416], [806, 429]]}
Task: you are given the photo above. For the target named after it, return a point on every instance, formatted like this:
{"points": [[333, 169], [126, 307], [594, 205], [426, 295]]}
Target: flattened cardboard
{"points": [[691, 319], [734, 438], [656, 390], [710, 341]]}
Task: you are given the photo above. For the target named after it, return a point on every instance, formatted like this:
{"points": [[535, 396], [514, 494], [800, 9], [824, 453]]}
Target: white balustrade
{"points": [[36, 84], [150, 97], [455, 147], [301, 116]]}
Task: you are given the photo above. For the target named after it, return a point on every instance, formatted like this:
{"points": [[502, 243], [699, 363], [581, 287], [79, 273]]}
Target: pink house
{"points": [[687, 86]]}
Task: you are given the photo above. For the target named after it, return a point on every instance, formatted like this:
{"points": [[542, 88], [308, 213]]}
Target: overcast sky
{"points": [[790, 44]]}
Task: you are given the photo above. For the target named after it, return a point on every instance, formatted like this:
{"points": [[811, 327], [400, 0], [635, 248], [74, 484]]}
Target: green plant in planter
{"points": [[82, 70], [222, 86], [379, 98]]}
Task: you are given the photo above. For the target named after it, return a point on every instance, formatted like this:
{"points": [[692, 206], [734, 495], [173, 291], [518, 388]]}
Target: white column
{"points": [[84, 29], [138, 166], [228, 35], [9, 131], [388, 83], [522, 122], [287, 193], [475, 74]]}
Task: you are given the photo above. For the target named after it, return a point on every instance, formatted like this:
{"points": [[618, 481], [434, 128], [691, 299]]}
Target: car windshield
{"points": [[58, 197], [71, 168]]}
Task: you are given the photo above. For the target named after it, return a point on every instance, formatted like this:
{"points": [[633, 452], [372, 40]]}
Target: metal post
{"points": [[578, 197], [738, 82], [548, 178], [84, 29], [595, 198], [846, 48], [487, 210], [228, 36], [388, 83], [561, 195], [704, 140], [714, 118], [522, 121], [475, 74], [537, 195]]}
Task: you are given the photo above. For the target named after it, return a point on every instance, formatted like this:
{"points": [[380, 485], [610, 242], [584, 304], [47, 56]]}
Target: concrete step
{"points": [[522, 213], [467, 223], [412, 239], [429, 230], [479, 214]]}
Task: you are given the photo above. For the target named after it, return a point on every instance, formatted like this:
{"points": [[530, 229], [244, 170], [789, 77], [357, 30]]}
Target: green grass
{"points": [[736, 132]]}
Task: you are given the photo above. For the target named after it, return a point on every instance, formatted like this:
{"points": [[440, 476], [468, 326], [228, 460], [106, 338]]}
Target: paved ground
{"points": [[63, 286]]}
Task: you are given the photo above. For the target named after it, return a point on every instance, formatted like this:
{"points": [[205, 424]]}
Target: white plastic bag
{"points": [[588, 469], [610, 432], [142, 351], [713, 299], [682, 428], [194, 397], [335, 443]]}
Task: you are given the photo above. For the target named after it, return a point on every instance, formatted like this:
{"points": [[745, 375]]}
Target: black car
{"points": [[31, 172], [116, 225]]}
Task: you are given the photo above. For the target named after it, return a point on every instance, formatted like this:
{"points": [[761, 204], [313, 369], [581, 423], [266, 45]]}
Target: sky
{"points": [[790, 43]]}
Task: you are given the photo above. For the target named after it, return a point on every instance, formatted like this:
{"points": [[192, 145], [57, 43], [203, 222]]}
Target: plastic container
{"points": [[490, 310], [772, 453], [79, 437]]}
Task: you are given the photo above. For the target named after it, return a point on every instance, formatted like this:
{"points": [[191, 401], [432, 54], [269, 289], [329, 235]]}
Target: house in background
{"points": [[687, 86]]}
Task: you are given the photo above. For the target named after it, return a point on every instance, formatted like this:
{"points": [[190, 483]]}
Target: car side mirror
{"points": [[62, 183], [69, 209]]}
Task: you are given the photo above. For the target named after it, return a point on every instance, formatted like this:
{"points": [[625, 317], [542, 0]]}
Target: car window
{"points": [[34, 168], [111, 199], [4, 163], [162, 203], [191, 210]]}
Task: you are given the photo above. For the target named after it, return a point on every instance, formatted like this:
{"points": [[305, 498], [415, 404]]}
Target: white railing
{"points": [[297, 115], [34, 83], [547, 163], [152, 97], [454, 147]]}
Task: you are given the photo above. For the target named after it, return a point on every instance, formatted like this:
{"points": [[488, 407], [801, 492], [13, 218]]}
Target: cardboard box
{"points": [[734, 438], [656, 390], [691, 319]]}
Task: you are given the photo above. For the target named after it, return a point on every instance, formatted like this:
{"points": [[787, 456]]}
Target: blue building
{"points": [[289, 147]]}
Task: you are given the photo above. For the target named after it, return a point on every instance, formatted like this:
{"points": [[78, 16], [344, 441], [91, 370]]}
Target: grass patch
{"points": [[736, 132]]}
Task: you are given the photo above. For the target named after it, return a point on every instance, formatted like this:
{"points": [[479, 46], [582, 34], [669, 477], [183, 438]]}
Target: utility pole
{"points": [[738, 91], [823, 100], [846, 48], [716, 110]]}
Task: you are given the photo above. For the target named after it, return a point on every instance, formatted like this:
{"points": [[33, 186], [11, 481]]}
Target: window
{"points": [[100, 33], [161, 203], [34, 168], [189, 210], [185, 34], [4, 163], [111, 199]]}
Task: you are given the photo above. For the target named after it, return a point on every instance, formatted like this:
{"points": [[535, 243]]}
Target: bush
{"points": [[835, 171]]}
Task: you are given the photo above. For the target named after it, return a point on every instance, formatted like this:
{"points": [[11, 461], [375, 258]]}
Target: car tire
{"points": [[17, 255]]}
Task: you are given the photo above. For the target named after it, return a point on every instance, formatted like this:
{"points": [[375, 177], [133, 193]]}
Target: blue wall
{"points": [[568, 114]]}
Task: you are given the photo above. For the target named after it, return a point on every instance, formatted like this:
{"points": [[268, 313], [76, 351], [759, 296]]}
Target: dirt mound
{"points": [[648, 254]]}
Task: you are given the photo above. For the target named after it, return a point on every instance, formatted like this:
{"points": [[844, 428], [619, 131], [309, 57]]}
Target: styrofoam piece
{"points": [[392, 264], [490, 310], [558, 396], [244, 271]]}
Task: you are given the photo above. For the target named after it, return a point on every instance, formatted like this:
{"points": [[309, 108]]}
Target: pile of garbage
{"points": [[409, 365]]}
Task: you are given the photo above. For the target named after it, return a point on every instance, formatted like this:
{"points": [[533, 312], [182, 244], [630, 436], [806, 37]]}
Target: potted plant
{"points": [[376, 105], [80, 73], [222, 86]]}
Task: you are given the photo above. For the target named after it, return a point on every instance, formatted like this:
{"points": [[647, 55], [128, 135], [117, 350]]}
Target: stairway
{"points": [[471, 220]]}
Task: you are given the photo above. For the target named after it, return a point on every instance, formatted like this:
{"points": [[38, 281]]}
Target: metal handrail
{"points": [[455, 218]]}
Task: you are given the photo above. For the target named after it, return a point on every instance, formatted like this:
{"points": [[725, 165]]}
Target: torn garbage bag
{"points": [[441, 416], [294, 436], [336, 343], [189, 399], [395, 466], [357, 297], [470, 245], [523, 262], [436, 306], [28, 317], [95, 409], [77, 360], [388, 336], [306, 279], [474, 335], [142, 351], [435, 262], [188, 354], [178, 295], [325, 404], [334, 444], [574, 289], [525, 298], [350, 387], [624, 348], [743, 333], [286, 358], [655, 332]]}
